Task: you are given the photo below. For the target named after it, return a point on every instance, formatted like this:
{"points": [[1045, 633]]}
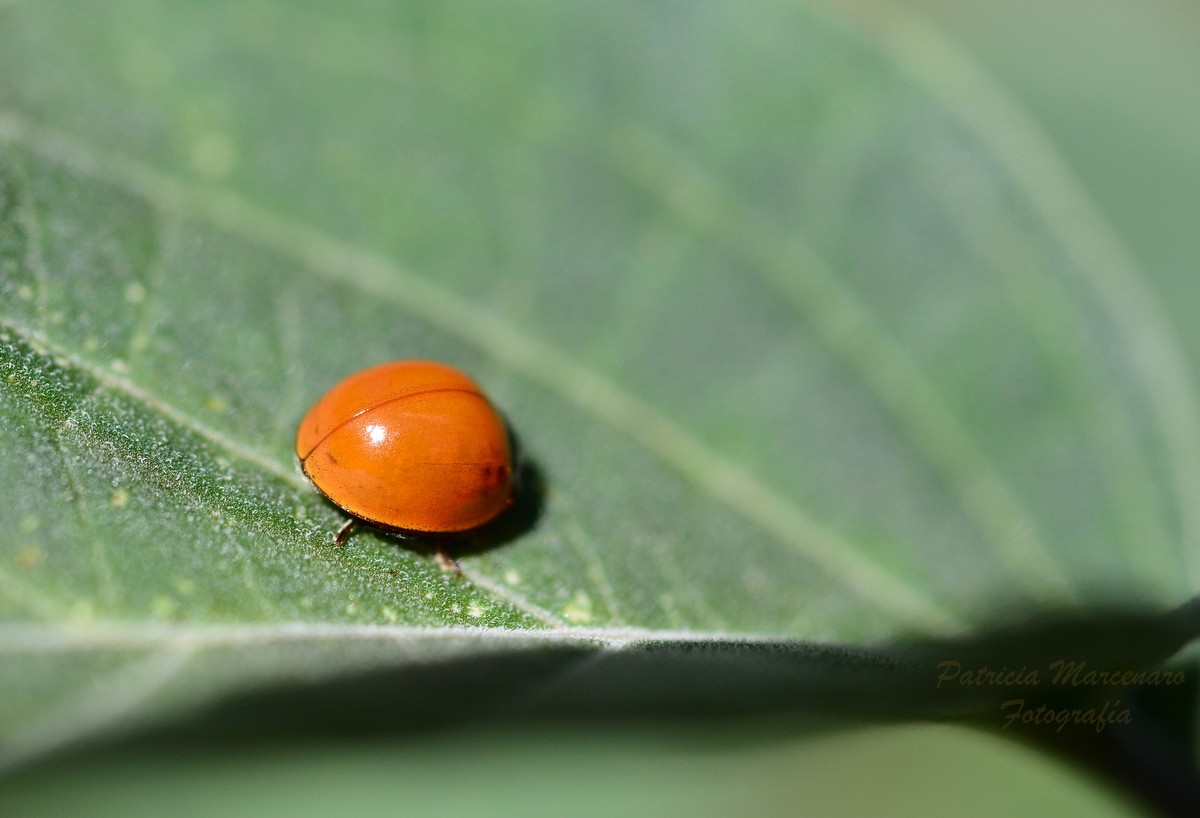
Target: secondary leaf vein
{"points": [[336, 261]]}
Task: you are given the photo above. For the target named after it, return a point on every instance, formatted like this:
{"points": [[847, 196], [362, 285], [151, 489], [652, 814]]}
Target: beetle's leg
{"points": [[447, 562], [345, 531]]}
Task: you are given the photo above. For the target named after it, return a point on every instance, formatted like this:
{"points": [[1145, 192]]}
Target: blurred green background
{"points": [[1112, 84]]}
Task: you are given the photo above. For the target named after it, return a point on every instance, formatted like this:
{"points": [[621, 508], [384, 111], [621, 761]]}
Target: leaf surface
{"points": [[806, 345]]}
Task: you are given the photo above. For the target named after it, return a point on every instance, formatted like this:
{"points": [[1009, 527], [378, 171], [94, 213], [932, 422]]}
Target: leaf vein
{"points": [[107, 378], [1036, 167], [332, 259], [791, 267]]}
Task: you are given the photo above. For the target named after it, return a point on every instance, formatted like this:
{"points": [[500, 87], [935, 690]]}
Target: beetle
{"points": [[413, 447]]}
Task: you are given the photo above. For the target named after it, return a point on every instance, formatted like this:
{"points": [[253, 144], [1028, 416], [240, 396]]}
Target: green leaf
{"points": [[810, 340]]}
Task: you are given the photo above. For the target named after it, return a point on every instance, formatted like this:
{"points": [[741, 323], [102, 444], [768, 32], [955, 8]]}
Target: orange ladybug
{"points": [[413, 447]]}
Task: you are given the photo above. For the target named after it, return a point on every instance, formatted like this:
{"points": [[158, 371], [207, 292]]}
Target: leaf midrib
{"points": [[331, 259], [106, 378]]}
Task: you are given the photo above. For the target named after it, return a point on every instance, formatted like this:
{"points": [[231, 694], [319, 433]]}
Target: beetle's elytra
{"points": [[409, 446]]}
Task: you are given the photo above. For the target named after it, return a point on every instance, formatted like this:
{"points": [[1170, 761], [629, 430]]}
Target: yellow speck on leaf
{"points": [[82, 610], [579, 609], [135, 292], [213, 154], [163, 606]]}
